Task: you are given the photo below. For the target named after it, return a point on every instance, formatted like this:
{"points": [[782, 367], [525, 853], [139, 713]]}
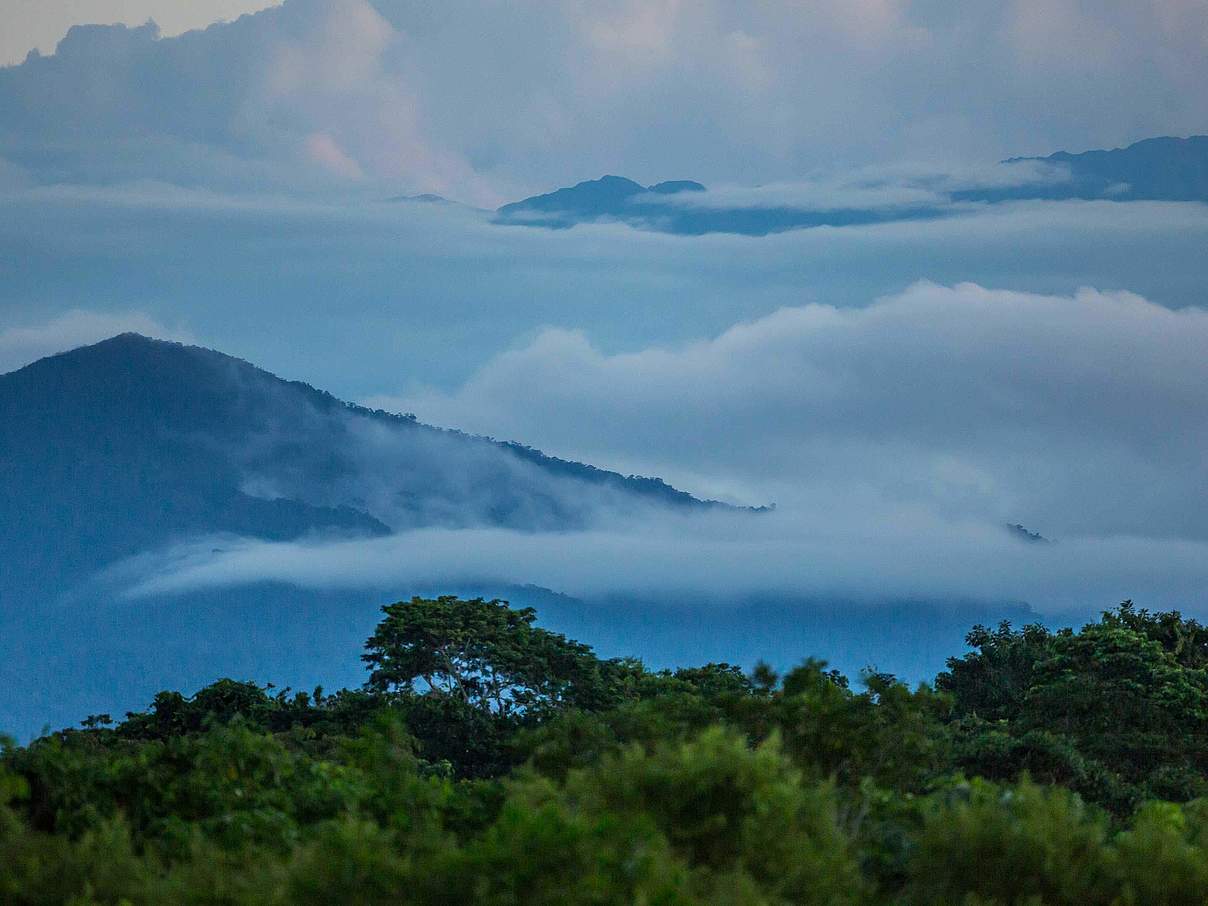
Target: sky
{"points": [[490, 101], [899, 390], [39, 24]]}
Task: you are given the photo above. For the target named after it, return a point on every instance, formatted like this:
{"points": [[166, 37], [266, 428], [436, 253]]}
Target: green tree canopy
{"points": [[484, 654]]}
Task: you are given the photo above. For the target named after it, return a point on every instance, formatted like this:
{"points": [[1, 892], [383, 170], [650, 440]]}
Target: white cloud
{"points": [[885, 187], [1083, 414], [364, 298], [717, 559], [488, 101]]}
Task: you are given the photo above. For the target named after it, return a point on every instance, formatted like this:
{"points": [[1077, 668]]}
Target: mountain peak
{"points": [[164, 439], [609, 197]]}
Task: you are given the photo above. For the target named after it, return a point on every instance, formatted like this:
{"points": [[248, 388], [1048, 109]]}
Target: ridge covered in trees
{"points": [[487, 760]]}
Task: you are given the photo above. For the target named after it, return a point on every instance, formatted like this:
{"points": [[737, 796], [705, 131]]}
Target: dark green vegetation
{"points": [[487, 760]]}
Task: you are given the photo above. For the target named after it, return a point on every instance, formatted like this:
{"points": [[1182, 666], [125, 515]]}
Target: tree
{"points": [[1117, 711], [486, 655], [1127, 702], [1185, 639], [991, 682]]}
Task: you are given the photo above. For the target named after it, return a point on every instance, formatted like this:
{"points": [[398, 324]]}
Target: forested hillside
{"points": [[133, 443], [486, 760]]}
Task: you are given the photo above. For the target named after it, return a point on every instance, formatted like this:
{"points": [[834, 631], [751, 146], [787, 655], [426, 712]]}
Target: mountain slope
{"points": [[1167, 169], [133, 443]]}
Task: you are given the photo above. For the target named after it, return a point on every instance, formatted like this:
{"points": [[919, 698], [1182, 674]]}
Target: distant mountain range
{"points": [[608, 196], [1158, 169], [615, 198]]}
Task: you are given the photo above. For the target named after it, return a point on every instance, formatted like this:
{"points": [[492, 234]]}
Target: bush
{"points": [[1009, 845]]}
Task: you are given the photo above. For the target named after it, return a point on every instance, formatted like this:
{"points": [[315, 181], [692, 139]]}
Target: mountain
{"points": [[130, 443], [679, 206], [609, 197], [423, 198], [127, 446], [1155, 169]]}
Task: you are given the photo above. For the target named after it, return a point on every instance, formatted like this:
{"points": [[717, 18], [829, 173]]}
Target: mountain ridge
{"points": [[1156, 169], [1162, 168], [132, 442]]}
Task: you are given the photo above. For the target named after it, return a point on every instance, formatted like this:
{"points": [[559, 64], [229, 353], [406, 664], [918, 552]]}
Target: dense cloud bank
{"points": [[899, 440], [1083, 414], [488, 102], [228, 184]]}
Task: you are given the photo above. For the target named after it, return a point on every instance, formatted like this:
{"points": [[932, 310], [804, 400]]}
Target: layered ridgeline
{"points": [[1155, 169]]}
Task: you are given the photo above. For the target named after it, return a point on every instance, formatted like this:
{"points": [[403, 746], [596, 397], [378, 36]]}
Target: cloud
{"points": [[39, 24], [488, 102], [21, 345], [297, 96], [409, 476], [364, 299], [324, 150], [894, 186], [1083, 414], [713, 560]]}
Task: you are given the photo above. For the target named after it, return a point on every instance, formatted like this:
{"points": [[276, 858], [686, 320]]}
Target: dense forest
{"points": [[487, 760]]}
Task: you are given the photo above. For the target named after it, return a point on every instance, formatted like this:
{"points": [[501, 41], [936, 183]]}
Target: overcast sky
{"points": [[488, 101], [39, 24]]}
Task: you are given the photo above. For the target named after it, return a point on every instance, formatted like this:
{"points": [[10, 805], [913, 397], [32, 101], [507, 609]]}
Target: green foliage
{"points": [[484, 654], [1117, 711], [488, 761], [1163, 859], [887, 733], [541, 851], [1011, 845], [992, 682], [733, 814]]}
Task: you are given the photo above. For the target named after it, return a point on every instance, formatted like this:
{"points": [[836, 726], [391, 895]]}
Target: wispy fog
{"points": [[717, 560]]}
